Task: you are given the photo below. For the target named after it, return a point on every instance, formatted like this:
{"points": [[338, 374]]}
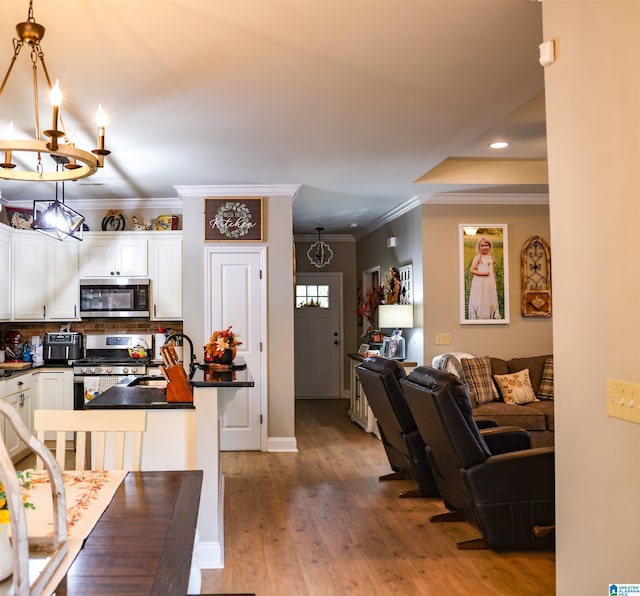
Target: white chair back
{"points": [[109, 431]]}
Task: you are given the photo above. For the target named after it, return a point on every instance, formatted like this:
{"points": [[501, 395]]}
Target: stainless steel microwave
{"points": [[114, 297]]}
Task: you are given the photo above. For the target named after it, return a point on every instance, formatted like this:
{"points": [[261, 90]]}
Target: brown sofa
{"points": [[536, 416]]}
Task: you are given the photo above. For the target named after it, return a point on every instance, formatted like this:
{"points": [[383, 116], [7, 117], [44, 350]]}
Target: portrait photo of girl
{"points": [[483, 274]]}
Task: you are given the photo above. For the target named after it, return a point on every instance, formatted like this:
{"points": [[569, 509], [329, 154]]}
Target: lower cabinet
{"points": [[359, 410], [48, 389], [19, 393], [55, 392]]}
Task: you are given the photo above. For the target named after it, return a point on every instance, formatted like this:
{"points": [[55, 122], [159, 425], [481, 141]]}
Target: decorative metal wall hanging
{"points": [[536, 278]]}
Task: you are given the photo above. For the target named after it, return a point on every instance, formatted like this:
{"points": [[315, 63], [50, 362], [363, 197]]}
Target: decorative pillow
{"points": [[546, 383], [477, 374], [516, 388]]}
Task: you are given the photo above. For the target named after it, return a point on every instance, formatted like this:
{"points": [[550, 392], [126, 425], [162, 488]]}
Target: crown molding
{"points": [[483, 199], [171, 203], [325, 238], [239, 190], [395, 213]]}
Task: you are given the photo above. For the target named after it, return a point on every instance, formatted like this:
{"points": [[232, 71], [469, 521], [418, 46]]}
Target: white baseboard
{"points": [[286, 444], [210, 555]]}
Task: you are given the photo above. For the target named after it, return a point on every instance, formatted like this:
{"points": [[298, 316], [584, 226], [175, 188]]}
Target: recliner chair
{"points": [[405, 449], [510, 496]]}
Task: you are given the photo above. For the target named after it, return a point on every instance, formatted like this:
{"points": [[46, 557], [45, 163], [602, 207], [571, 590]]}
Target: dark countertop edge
{"points": [[222, 383], [171, 405]]}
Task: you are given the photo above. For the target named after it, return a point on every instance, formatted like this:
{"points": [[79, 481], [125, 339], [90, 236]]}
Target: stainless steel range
{"points": [[107, 361]]}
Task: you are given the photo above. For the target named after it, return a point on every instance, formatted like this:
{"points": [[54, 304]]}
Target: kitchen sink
{"points": [[148, 382]]}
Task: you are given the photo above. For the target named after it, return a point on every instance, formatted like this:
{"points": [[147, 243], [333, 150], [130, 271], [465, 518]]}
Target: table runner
{"points": [[88, 493]]}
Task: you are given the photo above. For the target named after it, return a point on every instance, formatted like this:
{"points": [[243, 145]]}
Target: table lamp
{"points": [[398, 317]]}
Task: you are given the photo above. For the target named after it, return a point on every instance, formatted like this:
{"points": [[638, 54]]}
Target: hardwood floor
{"points": [[318, 522]]}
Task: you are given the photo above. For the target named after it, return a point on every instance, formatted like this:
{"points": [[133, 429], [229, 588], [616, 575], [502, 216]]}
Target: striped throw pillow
{"points": [[477, 374], [545, 391]]}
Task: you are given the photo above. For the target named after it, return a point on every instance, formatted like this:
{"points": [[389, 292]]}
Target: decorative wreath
{"points": [[242, 219]]}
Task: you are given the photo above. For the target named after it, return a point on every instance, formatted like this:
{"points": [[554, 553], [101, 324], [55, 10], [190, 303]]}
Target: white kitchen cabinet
{"points": [[114, 254], [45, 278], [54, 392], [19, 393], [5, 273], [55, 389], [165, 271], [62, 280], [29, 276]]}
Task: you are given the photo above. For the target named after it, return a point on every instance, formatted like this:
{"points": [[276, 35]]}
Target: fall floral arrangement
{"points": [[23, 481], [368, 304], [219, 342]]}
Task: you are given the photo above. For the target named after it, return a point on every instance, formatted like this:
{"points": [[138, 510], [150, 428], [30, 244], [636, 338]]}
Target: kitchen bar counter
{"points": [[186, 436], [121, 396], [127, 396]]}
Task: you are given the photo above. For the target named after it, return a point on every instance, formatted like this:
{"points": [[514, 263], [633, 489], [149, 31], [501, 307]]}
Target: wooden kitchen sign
{"points": [[233, 219]]}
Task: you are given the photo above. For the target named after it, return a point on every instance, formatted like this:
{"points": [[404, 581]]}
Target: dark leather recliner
{"points": [[509, 497], [380, 379]]}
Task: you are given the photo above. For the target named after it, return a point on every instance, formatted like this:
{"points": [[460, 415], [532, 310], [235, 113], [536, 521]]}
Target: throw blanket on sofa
{"points": [[451, 363]]}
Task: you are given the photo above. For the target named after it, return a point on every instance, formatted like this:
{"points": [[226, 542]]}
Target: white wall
{"points": [[523, 336], [279, 340], [593, 111]]}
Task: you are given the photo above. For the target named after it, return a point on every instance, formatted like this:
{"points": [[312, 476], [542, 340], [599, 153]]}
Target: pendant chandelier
{"points": [[56, 219], [77, 163], [320, 253]]}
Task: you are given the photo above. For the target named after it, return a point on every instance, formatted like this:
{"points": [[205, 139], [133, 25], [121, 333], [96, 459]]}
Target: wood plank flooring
{"points": [[318, 522]]}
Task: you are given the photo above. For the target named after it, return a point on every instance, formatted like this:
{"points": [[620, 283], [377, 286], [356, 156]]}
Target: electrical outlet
{"points": [[443, 339], [623, 400]]}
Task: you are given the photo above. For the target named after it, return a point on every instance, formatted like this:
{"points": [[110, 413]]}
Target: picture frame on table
{"points": [[484, 274], [363, 349]]}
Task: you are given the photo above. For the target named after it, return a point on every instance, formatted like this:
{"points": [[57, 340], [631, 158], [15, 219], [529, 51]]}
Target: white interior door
{"points": [[235, 289], [318, 335]]}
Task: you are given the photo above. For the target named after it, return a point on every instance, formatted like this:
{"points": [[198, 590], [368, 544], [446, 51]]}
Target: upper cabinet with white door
{"points": [[114, 254], [5, 273], [45, 278], [165, 271]]}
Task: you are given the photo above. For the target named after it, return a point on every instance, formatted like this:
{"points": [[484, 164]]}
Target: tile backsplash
{"points": [[88, 327]]}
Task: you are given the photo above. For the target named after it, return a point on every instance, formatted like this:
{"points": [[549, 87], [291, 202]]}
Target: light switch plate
{"points": [[443, 339], [623, 400]]}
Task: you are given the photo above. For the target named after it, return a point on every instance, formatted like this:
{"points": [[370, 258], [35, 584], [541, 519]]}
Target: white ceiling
{"points": [[354, 100]]}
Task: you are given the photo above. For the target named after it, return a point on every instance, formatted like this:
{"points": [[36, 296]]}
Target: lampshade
{"points": [[396, 316]]}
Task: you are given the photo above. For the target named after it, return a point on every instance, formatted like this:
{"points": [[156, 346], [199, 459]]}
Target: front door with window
{"points": [[318, 343]]}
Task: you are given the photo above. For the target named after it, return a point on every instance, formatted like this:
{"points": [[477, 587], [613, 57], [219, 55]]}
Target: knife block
{"points": [[178, 388]]}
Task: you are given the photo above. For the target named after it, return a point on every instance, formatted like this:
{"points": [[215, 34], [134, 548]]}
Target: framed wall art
{"points": [[484, 275], [233, 219], [535, 270]]}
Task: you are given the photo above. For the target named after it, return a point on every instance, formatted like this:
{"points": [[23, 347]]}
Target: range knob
{"points": [[92, 370], [109, 370], [125, 370], [134, 370]]}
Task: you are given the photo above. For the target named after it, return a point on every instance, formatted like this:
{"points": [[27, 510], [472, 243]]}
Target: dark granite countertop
{"points": [[237, 376], [136, 397], [124, 395]]}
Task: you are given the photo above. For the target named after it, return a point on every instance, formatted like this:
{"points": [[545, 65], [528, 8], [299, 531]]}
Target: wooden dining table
{"points": [[143, 541]]}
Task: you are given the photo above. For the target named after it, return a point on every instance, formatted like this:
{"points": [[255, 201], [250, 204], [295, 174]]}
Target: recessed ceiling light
{"points": [[498, 144], [353, 225]]}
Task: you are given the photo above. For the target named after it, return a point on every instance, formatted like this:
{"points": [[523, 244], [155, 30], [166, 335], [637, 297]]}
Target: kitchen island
{"points": [[186, 436]]}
